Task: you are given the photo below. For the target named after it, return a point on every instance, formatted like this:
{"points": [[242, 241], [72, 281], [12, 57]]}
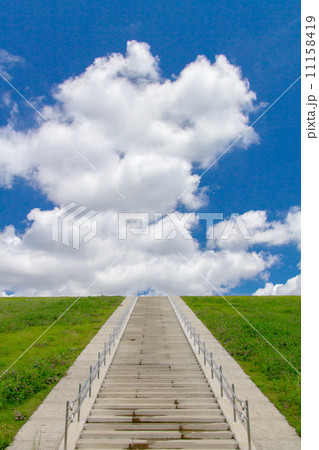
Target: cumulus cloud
{"points": [[142, 132], [254, 228], [33, 264], [121, 121], [291, 287]]}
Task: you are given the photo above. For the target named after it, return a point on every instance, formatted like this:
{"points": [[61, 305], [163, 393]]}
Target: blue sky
{"points": [[61, 39]]}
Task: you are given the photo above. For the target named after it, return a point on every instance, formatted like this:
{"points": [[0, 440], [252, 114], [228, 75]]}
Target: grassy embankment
{"points": [[278, 320], [22, 321]]}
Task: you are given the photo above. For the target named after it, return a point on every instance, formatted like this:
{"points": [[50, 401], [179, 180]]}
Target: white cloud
{"points": [[33, 264], [7, 61], [253, 228], [144, 134], [291, 287]]}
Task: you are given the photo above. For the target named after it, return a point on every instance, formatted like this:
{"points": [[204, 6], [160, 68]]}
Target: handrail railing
{"points": [[73, 408], [240, 407]]}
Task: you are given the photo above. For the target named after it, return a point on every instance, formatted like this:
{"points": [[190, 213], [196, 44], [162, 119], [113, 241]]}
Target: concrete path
{"points": [[155, 394]]}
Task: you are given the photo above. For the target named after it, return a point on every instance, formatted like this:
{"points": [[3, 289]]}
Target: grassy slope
{"points": [[278, 320], [22, 320]]}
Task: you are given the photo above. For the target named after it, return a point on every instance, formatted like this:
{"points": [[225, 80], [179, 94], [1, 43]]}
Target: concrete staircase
{"points": [[155, 394]]}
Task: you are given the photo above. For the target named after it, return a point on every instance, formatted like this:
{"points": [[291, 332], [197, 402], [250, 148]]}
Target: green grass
{"points": [[22, 321], [278, 320]]}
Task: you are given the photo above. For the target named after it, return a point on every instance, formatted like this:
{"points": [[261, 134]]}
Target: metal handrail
{"points": [[73, 407], [240, 407]]}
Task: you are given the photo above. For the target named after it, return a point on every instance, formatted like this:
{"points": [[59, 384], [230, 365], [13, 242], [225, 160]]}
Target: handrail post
{"points": [[98, 365], [212, 366], [248, 425], [90, 382], [110, 344], [221, 381], [198, 343], [66, 425], [204, 353], [104, 353], [79, 402], [234, 400]]}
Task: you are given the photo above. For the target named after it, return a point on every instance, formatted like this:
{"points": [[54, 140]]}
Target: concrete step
{"points": [[153, 383], [101, 427], [156, 379], [166, 365], [216, 444], [156, 387], [177, 395], [205, 389], [189, 395], [100, 403], [114, 444], [165, 419], [156, 434], [130, 354], [137, 434], [203, 444], [178, 346], [129, 350], [154, 412], [154, 354], [142, 373], [189, 376], [164, 382], [158, 401], [160, 368]]}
